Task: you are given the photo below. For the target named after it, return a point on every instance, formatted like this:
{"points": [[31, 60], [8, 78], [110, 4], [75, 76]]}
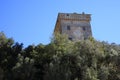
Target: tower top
{"points": [[75, 16]]}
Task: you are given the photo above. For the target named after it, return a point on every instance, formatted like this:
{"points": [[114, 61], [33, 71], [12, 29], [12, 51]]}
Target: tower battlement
{"points": [[75, 16]]}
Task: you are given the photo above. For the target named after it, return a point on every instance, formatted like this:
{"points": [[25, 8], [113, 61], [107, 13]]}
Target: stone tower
{"points": [[76, 26]]}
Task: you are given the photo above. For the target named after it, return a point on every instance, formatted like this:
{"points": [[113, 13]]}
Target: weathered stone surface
{"points": [[76, 26]]}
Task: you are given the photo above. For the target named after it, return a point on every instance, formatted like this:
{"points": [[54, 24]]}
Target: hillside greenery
{"points": [[61, 59]]}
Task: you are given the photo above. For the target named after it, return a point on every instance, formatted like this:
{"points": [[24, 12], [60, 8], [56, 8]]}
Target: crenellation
{"points": [[74, 16]]}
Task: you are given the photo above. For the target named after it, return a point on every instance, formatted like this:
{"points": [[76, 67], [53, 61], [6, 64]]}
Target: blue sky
{"points": [[33, 21]]}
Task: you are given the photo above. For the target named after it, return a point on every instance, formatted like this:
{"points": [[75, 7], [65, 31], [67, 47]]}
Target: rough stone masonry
{"points": [[76, 26]]}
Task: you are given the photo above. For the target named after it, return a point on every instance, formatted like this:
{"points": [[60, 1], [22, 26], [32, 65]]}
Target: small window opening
{"points": [[84, 28], [70, 38], [67, 14], [68, 27]]}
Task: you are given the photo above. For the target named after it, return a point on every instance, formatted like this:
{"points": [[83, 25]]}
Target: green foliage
{"points": [[62, 59]]}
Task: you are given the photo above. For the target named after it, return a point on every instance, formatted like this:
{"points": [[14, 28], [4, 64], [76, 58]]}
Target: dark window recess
{"points": [[70, 38], [67, 14], [68, 27], [85, 38], [84, 28]]}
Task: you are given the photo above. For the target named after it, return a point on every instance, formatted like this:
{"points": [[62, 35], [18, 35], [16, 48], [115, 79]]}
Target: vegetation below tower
{"points": [[62, 59]]}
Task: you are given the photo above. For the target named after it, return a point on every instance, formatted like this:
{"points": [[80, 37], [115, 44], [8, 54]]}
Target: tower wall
{"points": [[76, 26]]}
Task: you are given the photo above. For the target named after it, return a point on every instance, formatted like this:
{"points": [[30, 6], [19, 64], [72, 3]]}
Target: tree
{"points": [[60, 59]]}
